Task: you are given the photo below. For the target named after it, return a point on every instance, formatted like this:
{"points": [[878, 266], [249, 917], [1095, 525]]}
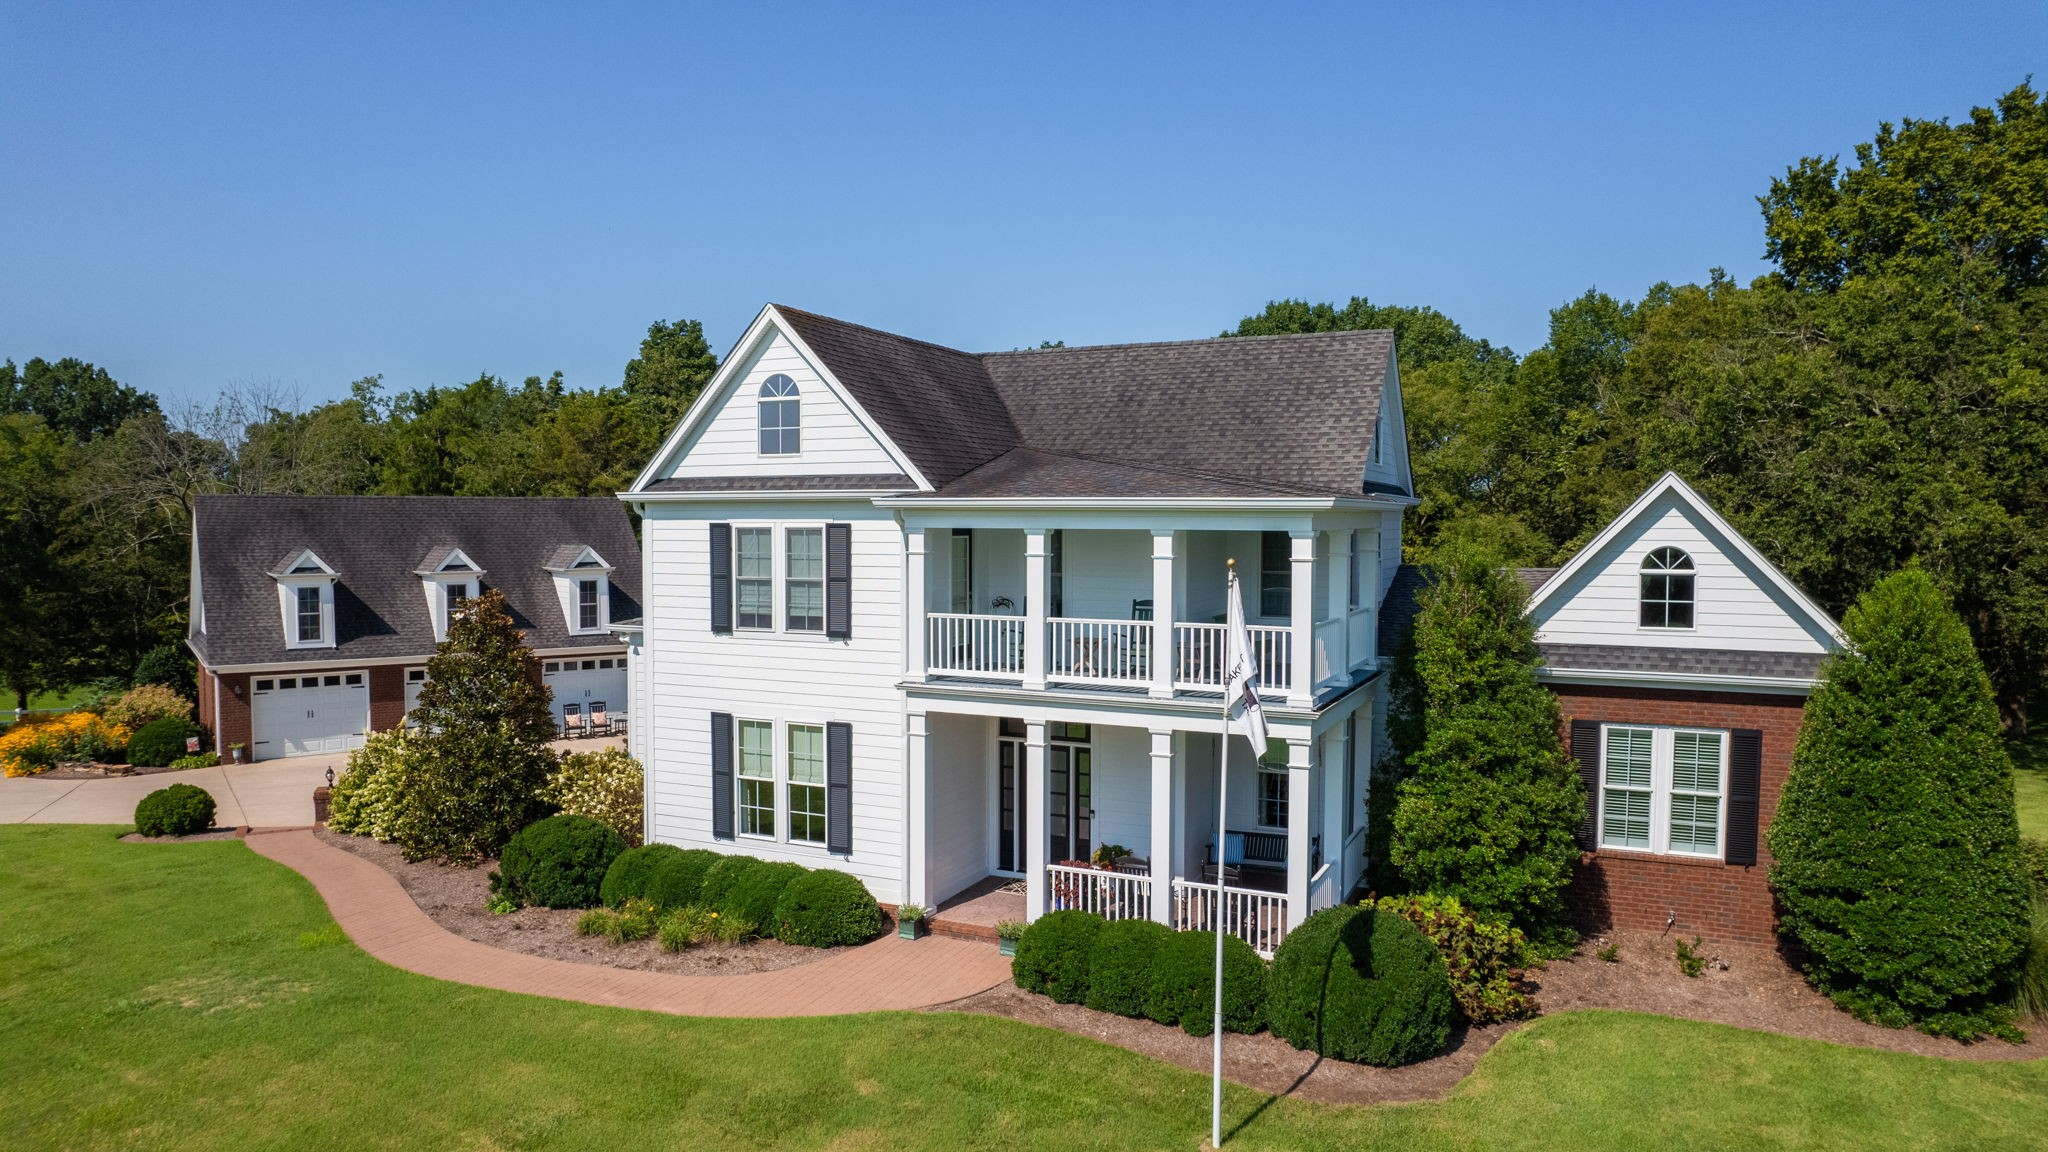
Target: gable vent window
{"points": [[586, 604], [779, 417], [309, 615], [1667, 589]]}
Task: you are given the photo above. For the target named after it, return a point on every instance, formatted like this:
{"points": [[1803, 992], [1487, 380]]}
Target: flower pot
{"points": [[1006, 947], [910, 929]]}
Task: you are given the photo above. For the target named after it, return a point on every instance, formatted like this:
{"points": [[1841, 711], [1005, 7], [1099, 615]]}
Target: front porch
{"points": [[1010, 817]]}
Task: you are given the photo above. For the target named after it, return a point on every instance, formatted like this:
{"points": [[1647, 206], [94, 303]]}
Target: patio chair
{"points": [[1141, 609], [600, 723], [572, 720]]}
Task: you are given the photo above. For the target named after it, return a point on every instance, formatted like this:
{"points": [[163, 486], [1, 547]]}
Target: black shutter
{"points": [[721, 774], [1586, 750], [839, 788], [721, 579], [838, 581], [1745, 784]]}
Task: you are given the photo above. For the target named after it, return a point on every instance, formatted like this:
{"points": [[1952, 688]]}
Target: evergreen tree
{"points": [[674, 365], [486, 723], [1490, 802], [1896, 846]]}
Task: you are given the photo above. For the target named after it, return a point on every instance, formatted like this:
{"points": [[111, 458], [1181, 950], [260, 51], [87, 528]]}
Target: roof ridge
{"points": [[787, 310], [1350, 332]]}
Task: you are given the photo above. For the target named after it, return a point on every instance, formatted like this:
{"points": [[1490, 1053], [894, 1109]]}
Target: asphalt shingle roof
{"points": [[893, 482], [1684, 661], [373, 542]]}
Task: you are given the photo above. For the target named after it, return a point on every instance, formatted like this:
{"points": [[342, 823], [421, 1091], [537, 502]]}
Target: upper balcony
{"points": [[1141, 611]]}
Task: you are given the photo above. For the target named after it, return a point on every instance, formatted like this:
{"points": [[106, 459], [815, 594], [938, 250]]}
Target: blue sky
{"points": [[299, 195]]}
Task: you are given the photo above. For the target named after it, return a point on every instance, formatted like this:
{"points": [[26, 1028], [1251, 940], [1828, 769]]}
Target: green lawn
{"points": [[65, 698], [198, 996], [2030, 775]]}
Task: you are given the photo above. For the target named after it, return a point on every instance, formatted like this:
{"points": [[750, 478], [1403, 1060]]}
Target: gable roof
{"points": [[380, 607], [1238, 416]]}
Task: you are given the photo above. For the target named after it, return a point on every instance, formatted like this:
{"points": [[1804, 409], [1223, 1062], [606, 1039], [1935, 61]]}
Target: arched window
{"points": [[779, 418], [1667, 589]]}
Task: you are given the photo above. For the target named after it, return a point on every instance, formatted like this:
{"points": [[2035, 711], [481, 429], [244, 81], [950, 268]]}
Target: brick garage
{"points": [[231, 689], [1639, 890]]}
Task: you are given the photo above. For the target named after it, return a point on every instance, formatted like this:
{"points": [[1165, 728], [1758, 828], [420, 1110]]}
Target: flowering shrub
{"points": [[605, 786], [1488, 962], [145, 703], [368, 798], [34, 746]]}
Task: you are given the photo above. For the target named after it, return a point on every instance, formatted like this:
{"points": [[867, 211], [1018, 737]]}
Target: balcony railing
{"points": [[1110, 895], [1111, 652], [1098, 651], [1198, 656], [966, 643]]}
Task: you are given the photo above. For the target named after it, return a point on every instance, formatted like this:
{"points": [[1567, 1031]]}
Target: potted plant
{"points": [[1008, 932], [910, 921], [235, 750]]}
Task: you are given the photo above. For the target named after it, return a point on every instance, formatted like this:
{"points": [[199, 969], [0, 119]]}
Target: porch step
{"points": [[962, 930]]}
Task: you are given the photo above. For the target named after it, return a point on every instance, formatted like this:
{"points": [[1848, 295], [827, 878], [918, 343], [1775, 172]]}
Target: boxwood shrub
{"points": [[676, 881], [824, 908], [1054, 955], [753, 897], [179, 810], [630, 874], [720, 877], [1120, 968], [1360, 985], [1183, 986], [160, 741], [559, 862]]}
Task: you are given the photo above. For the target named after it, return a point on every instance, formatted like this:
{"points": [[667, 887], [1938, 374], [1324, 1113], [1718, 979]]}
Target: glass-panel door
{"points": [[1010, 792], [1070, 819]]}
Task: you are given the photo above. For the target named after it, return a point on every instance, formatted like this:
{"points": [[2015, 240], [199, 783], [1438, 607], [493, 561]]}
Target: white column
{"points": [[1302, 621], [917, 872], [1298, 869], [1039, 794], [1162, 825], [1339, 598], [915, 567], [1334, 764], [1037, 593], [1164, 612]]}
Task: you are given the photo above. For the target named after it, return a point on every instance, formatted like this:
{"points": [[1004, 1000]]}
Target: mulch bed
{"points": [[455, 897]]}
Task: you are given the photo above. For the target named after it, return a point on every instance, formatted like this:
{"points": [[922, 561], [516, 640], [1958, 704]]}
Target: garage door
{"points": [[584, 682], [415, 679], [308, 715]]}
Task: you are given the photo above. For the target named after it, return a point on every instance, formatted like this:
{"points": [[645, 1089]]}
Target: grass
{"points": [[63, 698], [198, 996], [2030, 774]]}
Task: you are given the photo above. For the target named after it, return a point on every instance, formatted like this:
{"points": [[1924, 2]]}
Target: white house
{"points": [[935, 617]]}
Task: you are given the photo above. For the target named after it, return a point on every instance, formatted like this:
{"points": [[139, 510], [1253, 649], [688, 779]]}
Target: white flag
{"points": [[1241, 679]]}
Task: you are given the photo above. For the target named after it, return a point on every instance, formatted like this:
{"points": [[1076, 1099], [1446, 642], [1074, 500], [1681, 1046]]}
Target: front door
{"points": [[1010, 790], [1069, 817]]}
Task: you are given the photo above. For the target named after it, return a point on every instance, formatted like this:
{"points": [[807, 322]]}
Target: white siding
{"points": [[1122, 785], [1102, 571], [833, 440], [1392, 466], [1390, 555], [1738, 607], [808, 680], [961, 754]]}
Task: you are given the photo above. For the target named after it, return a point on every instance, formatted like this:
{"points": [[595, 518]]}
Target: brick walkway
{"points": [[886, 974]]}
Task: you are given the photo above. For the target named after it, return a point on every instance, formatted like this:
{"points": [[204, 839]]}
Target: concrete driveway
{"points": [[271, 794]]}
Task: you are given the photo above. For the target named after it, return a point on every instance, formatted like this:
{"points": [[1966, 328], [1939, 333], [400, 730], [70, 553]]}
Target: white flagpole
{"points": [[1222, 816]]}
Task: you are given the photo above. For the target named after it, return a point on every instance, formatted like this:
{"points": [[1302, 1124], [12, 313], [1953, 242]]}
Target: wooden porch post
{"points": [[1298, 864], [1301, 688], [1037, 593], [915, 560], [1035, 843], [1162, 825], [1164, 613], [917, 873]]}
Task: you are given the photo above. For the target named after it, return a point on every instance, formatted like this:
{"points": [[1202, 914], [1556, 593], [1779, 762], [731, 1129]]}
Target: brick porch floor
{"points": [[886, 974]]}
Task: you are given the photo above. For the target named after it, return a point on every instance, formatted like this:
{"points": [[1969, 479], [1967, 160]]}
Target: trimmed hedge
{"points": [[160, 742], [1120, 968], [719, 879], [752, 897], [559, 862], [677, 881], [1183, 986], [180, 810], [1360, 985], [1054, 954], [826, 907], [629, 876]]}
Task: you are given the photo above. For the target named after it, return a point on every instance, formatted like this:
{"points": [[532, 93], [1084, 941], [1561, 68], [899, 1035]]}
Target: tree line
{"points": [[1879, 399]]}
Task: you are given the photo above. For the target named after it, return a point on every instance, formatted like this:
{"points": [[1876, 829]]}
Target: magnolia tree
{"points": [[485, 726], [1896, 847]]}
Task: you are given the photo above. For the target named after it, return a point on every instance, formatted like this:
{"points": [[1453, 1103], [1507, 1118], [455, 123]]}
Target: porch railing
{"points": [[962, 642], [1099, 651], [1257, 918], [1110, 895], [1198, 656]]}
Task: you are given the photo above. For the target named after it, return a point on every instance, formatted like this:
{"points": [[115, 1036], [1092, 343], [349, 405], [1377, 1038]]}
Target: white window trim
{"points": [[760, 400], [779, 780], [778, 563], [1662, 742], [774, 778], [288, 599], [1258, 803], [1643, 629], [437, 586]]}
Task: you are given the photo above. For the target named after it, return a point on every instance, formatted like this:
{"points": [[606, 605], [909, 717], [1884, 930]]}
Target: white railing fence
{"points": [[962, 642], [1198, 655], [1110, 895], [1329, 660], [1099, 651], [1257, 918]]}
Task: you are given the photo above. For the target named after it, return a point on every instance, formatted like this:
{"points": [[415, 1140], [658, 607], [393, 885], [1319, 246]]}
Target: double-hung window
{"points": [[1662, 789], [754, 578], [586, 604], [1276, 574], [1272, 796], [309, 615], [757, 778], [805, 581], [807, 783]]}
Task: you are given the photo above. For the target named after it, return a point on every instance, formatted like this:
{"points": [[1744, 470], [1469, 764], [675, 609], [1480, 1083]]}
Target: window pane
{"points": [[1696, 762], [1695, 823], [1678, 615], [756, 556], [757, 749], [806, 586], [806, 754], [757, 807], [1625, 818], [807, 553], [807, 813], [1628, 757], [1276, 574]]}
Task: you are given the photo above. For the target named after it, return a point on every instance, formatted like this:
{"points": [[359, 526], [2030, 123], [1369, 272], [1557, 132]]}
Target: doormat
{"points": [[1019, 888]]}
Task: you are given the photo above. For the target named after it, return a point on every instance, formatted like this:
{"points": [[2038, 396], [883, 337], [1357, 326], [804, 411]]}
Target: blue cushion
{"points": [[1233, 848]]}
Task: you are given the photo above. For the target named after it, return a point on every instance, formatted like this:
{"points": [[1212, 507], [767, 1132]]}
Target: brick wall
{"points": [[1637, 890], [387, 696], [233, 712]]}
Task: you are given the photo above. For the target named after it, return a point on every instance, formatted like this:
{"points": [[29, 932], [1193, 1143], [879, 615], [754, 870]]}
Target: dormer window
{"points": [[305, 599], [449, 577], [1667, 589], [310, 630], [583, 580], [780, 418], [587, 616]]}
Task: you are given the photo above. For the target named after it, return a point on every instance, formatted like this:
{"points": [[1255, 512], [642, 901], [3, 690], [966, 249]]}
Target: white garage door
{"points": [[415, 679], [309, 715], [585, 682]]}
